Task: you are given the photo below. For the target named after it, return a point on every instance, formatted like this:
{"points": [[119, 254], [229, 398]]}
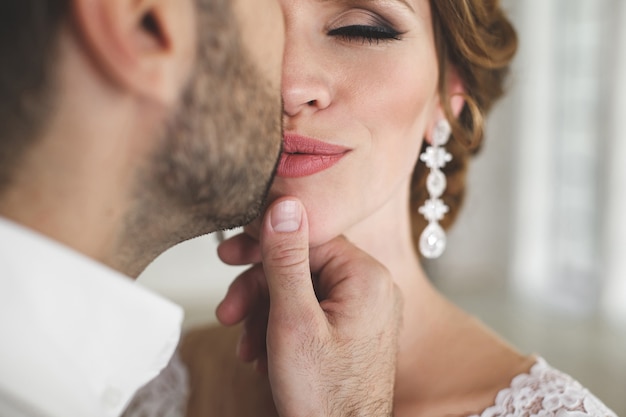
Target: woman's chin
{"points": [[320, 237]]}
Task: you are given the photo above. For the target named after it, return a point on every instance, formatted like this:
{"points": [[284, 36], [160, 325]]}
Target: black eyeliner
{"points": [[366, 32]]}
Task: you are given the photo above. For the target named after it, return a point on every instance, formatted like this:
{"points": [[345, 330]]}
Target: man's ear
{"points": [[143, 46]]}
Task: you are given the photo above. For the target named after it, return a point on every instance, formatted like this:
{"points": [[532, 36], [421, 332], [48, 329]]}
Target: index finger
{"points": [[240, 250]]}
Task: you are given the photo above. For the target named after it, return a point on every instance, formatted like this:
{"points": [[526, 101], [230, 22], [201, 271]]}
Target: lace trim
{"points": [[164, 396], [546, 392]]}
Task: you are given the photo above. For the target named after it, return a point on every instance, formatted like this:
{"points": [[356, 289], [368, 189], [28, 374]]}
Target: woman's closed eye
{"points": [[365, 33]]}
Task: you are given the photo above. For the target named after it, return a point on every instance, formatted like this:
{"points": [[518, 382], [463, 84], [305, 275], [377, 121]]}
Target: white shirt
{"points": [[77, 339]]}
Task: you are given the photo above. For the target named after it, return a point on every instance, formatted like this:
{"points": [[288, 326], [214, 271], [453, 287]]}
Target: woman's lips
{"points": [[304, 156]]}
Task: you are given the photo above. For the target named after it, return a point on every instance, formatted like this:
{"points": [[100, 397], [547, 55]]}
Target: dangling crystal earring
{"points": [[433, 239]]}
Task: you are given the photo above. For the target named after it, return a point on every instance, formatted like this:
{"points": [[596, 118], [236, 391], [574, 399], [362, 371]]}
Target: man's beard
{"points": [[220, 152], [215, 162]]}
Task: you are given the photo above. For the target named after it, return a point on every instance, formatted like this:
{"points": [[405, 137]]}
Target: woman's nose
{"points": [[305, 85]]}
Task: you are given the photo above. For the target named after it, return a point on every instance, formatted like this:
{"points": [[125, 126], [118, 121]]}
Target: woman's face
{"points": [[360, 92]]}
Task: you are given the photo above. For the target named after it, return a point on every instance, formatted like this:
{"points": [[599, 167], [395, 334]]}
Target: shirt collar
{"points": [[78, 338]]}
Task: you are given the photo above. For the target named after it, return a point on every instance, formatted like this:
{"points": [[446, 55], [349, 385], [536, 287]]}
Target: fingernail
{"points": [[286, 216]]}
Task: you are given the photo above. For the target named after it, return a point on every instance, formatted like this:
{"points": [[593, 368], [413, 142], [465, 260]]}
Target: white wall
{"points": [[192, 275]]}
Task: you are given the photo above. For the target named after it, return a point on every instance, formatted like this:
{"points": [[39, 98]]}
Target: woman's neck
{"points": [[443, 352], [386, 235]]}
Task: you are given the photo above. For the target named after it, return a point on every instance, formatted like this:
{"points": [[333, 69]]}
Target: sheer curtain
{"points": [[614, 297], [546, 209], [569, 240]]}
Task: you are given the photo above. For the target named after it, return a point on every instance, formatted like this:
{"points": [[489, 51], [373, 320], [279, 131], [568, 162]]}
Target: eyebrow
{"points": [[358, 2]]}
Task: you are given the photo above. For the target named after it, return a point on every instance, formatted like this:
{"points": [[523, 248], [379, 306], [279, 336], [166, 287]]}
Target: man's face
{"points": [[219, 152]]}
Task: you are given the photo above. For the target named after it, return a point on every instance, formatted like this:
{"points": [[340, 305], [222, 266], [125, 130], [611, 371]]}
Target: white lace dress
{"points": [[544, 392]]}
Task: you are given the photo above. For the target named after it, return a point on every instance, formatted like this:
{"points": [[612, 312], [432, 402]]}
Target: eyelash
{"points": [[371, 34]]}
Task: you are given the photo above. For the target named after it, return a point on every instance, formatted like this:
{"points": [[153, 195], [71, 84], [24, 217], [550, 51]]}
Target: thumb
{"points": [[285, 250]]}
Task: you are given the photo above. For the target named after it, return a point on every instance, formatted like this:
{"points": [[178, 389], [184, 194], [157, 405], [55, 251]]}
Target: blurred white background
{"points": [[539, 252]]}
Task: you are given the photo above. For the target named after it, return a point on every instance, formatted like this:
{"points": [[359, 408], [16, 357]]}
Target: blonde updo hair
{"points": [[477, 40]]}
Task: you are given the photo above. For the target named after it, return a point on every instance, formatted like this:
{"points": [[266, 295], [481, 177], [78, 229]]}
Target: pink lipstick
{"points": [[304, 156]]}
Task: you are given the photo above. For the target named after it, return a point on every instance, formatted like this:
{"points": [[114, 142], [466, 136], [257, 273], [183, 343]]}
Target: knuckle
{"points": [[286, 253], [377, 280]]}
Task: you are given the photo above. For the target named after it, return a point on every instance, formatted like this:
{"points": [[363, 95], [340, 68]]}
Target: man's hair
{"points": [[29, 32]]}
